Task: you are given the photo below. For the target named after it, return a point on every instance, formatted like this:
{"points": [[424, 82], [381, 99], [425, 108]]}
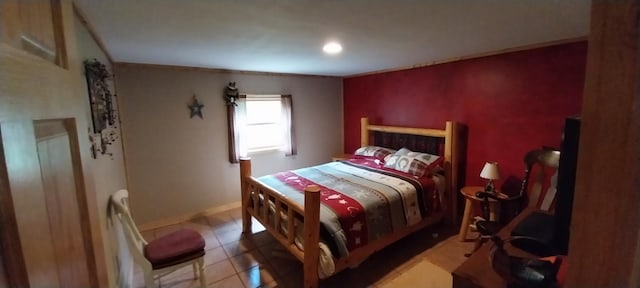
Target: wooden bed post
{"points": [[364, 131], [451, 153], [311, 235], [245, 197]]}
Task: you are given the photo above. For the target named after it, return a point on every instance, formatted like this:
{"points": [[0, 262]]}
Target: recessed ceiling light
{"points": [[332, 48]]}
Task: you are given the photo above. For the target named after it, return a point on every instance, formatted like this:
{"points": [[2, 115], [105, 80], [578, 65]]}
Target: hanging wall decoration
{"points": [[196, 108], [101, 100], [231, 94], [100, 97]]}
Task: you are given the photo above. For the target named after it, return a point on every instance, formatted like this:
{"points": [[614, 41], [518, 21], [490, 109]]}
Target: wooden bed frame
{"points": [[311, 210]]}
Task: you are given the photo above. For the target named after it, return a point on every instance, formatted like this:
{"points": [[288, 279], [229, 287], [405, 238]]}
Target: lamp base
{"points": [[490, 188]]}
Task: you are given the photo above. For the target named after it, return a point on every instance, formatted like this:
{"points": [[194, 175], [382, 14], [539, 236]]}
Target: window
{"points": [[263, 126], [261, 123]]}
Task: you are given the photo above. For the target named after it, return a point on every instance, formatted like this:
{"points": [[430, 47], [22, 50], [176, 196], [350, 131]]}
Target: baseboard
{"points": [[175, 220]]}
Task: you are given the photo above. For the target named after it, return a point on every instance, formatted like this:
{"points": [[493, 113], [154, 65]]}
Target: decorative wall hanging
{"points": [[99, 142], [231, 94], [196, 108], [100, 97], [101, 101]]}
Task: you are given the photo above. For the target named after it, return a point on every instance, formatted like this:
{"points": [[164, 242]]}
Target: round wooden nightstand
{"points": [[469, 193]]}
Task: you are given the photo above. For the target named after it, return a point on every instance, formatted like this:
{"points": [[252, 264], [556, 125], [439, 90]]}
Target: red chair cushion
{"points": [[183, 245]]}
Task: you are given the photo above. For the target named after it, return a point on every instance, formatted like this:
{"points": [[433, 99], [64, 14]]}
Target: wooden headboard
{"points": [[450, 135]]}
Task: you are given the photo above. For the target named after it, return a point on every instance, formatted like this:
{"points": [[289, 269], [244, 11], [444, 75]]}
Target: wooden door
{"points": [[44, 176], [50, 234], [604, 249], [55, 153]]}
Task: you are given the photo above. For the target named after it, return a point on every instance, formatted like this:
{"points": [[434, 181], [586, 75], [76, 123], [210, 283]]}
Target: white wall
{"points": [[108, 171], [177, 165]]}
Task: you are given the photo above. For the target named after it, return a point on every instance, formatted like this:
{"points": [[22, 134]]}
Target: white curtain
{"points": [[237, 115], [241, 121]]}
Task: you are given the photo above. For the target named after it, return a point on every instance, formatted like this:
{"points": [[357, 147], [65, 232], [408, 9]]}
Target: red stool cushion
{"points": [[182, 245]]}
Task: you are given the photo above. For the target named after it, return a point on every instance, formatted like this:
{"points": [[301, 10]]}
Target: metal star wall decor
{"points": [[196, 108]]}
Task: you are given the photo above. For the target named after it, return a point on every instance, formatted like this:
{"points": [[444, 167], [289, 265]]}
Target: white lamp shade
{"points": [[490, 171]]}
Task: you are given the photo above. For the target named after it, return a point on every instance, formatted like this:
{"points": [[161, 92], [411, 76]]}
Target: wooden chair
{"points": [[163, 255], [538, 190]]}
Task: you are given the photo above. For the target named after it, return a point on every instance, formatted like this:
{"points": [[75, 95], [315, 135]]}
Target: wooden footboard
{"points": [[266, 205], [260, 201]]}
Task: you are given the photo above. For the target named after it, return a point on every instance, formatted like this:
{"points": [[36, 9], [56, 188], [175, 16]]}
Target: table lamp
{"points": [[491, 172]]}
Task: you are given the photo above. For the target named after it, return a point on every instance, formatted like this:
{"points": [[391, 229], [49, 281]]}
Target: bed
{"points": [[323, 206]]}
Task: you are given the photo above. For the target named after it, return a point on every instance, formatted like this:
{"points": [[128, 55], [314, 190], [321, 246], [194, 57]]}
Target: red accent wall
{"points": [[510, 103]]}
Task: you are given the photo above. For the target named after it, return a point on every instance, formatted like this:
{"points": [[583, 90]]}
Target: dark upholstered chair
{"points": [[538, 190], [162, 255]]}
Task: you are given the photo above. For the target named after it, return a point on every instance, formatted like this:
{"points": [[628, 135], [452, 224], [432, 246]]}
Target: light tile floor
{"points": [[236, 260]]}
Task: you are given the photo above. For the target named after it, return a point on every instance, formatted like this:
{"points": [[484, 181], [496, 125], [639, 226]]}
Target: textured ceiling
{"points": [[287, 36]]}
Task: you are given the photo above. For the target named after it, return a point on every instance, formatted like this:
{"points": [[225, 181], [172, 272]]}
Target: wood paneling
{"points": [[603, 249]]}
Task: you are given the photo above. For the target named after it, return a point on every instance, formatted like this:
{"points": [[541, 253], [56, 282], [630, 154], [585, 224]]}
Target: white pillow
{"points": [[375, 151], [414, 163]]}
